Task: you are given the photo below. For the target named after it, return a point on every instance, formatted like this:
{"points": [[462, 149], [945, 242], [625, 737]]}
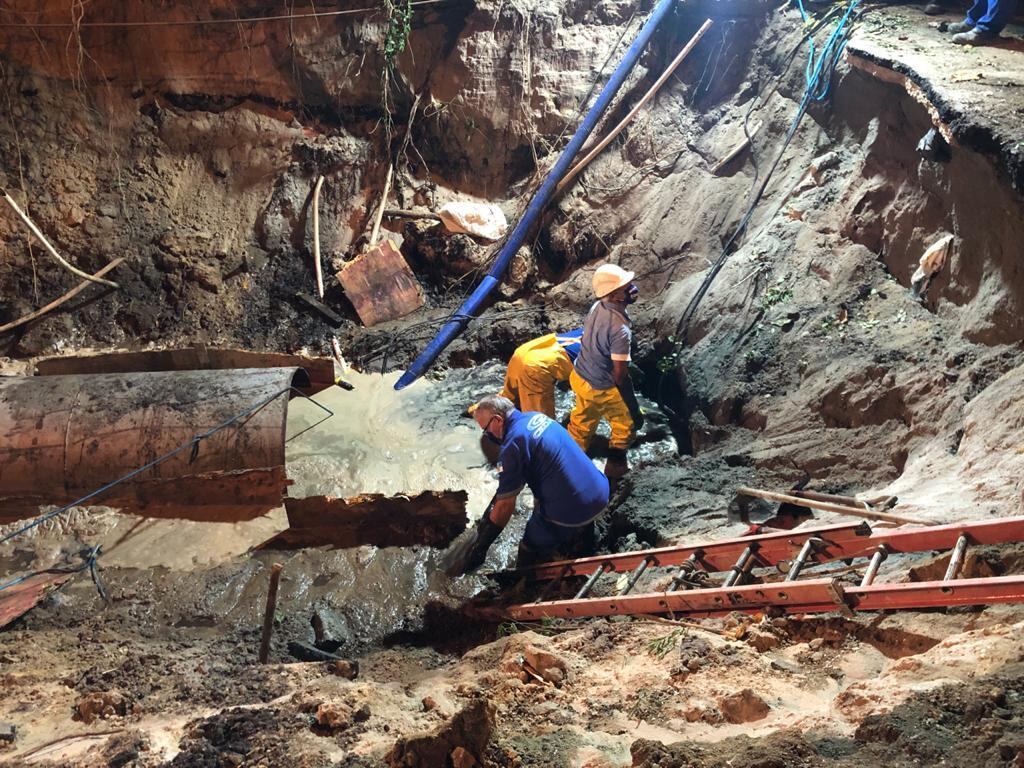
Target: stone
{"points": [[816, 643], [462, 759], [743, 707], [100, 705], [549, 666], [762, 640]]}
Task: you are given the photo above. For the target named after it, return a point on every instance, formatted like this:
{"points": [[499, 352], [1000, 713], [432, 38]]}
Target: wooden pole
{"points": [[383, 202], [828, 507], [268, 616], [66, 297], [53, 251], [575, 170], [316, 238]]}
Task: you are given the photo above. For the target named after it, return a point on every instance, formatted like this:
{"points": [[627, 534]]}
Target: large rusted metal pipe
{"points": [[62, 437]]}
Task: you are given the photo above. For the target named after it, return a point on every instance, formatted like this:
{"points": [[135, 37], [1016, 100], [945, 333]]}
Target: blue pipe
{"points": [[471, 306]]}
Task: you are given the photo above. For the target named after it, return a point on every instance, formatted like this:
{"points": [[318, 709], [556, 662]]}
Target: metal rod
{"points": [[268, 616], [957, 558], [637, 573], [805, 551], [591, 581], [881, 553], [741, 564]]}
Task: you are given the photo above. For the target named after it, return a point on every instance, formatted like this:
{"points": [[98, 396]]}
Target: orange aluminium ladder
{"points": [[788, 551]]}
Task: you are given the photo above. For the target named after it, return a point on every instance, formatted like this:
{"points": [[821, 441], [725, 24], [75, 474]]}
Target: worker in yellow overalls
{"points": [[536, 367], [600, 377]]}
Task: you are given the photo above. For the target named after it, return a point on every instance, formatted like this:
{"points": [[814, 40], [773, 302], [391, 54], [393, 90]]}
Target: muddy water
{"points": [[383, 441]]}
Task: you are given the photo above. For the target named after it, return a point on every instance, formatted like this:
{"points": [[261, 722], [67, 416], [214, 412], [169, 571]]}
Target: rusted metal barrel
{"points": [[64, 436]]}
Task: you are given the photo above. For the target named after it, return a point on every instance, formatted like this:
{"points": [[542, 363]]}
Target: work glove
{"points": [[469, 553], [635, 411]]}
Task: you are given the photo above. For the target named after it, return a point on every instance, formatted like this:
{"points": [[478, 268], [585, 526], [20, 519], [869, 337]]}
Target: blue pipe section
{"points": [[471, 306]]}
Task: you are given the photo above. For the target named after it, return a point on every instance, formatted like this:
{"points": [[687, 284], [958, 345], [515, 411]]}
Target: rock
{"points": [[335, 716], [743, 707], [101, 705], [549, 666], [816, 643], [347, 669], [8, 732], [469, 730], [462, 759], [762, 640], [428, 704]]}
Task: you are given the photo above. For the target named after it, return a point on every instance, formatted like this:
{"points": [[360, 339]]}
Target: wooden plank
{"points": [[380, 285]]}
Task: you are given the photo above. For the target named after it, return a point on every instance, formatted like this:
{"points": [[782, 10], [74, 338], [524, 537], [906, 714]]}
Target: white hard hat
{"points": [[610, 277]]}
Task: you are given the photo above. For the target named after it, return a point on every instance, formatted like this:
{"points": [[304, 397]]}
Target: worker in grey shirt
{"points": [[600, 378]]}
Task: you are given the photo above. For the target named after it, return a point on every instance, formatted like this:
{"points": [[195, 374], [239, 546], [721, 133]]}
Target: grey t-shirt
{"points": [[606, 337]]}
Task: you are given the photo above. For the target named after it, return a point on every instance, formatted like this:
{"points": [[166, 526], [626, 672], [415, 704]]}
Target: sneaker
{"points": [[975, 37], [960, 26]]}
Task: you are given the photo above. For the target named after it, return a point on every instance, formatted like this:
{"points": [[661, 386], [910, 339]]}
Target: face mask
{"points": [[492, 438], [632, 294]]}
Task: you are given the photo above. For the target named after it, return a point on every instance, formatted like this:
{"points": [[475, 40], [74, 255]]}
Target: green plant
{"points": [[396, 37], [670, 360], [660, 647], [777, 293]]}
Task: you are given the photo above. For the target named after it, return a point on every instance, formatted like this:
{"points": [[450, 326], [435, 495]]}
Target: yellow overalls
{"points": [[533, 371], [592, 405]]}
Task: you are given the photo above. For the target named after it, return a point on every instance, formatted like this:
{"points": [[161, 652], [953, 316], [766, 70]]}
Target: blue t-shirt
{"points": [[606, 337], [570, 342], [538, 452]]}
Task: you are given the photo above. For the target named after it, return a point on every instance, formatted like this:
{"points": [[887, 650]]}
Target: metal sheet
{"points": [[17, 600], [320, 369], [62, 437], [433, 518]]}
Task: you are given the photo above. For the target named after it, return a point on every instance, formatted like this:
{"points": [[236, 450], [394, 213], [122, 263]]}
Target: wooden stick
{"points": [[57, 302], [732, 153], [383, 202], [827, 507], [316, 238], [574, 171], [53, 251], [268, 616], [399, 213]]}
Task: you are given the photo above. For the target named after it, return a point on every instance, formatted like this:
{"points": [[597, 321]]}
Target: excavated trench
{"points": [[807, 362]]}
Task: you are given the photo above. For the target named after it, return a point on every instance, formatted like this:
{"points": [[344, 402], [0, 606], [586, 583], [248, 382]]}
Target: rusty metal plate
{"points": [[432, 518], [62, 437], [19, 599], [319, 369]]}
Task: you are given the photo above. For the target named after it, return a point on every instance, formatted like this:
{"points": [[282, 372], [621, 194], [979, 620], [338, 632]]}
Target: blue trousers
{"points": [[991, 15], [543, 540]]}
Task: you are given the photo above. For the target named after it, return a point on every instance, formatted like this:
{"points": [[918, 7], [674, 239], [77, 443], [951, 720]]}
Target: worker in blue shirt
{"points": [[569, 491]]}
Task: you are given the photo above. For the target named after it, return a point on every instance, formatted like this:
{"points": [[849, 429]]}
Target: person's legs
{"points": [[997, 14], [976, 12], [585, 414], [537, 391], [543, 540]]}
